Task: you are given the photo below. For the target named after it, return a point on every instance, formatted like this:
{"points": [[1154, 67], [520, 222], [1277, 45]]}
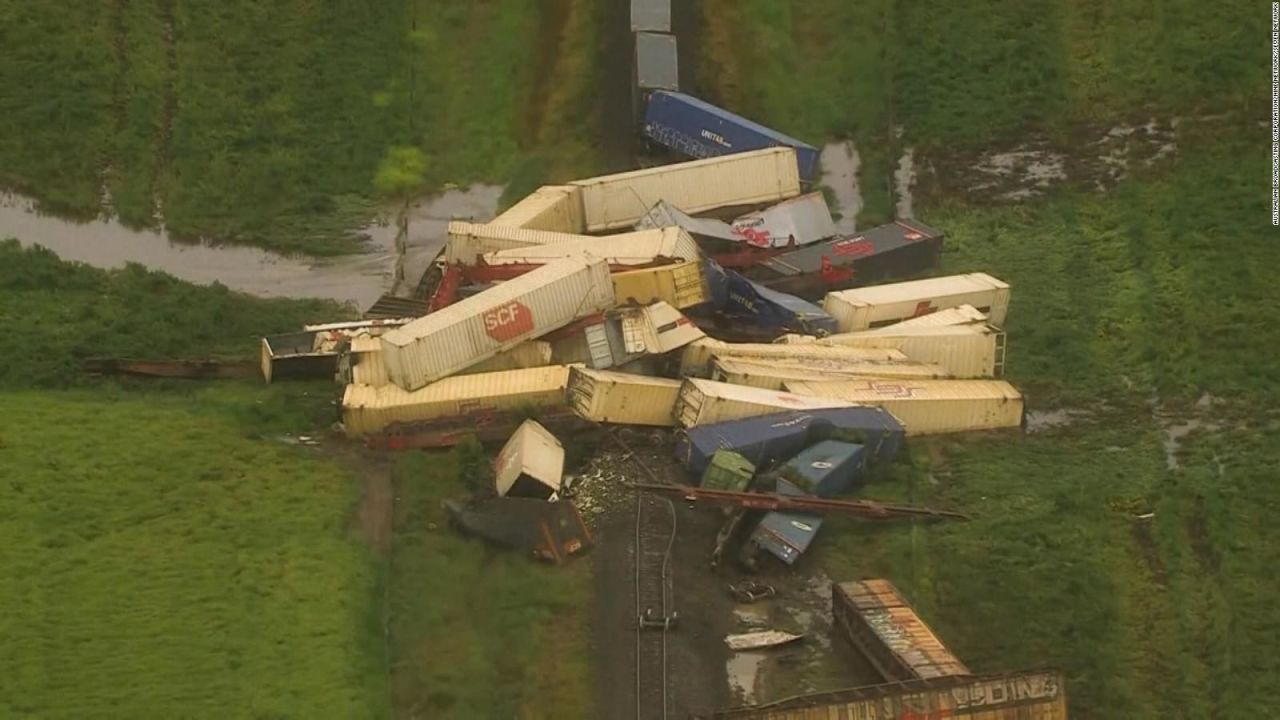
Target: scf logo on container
{"points": [[508, 321]]}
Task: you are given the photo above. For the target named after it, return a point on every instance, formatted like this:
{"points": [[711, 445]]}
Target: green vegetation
{"points": [[266, 124], [61, 313], [478, 632], [158, 563], [968, 75]]}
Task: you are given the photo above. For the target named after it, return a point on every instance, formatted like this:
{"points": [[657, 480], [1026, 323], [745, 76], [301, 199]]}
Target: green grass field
{"points": [[1129, 306], [265, 125]]}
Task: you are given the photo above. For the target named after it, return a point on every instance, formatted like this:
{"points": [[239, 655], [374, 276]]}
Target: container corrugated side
{"points": [[636, 248], [695, 360], [681, 286], [890, 633], [1030, 695], [958, 315], [928, 406], [750, 178], [622, 398], [773, 374], [879, 305], [467, 242], [369, 369], [966, 351], [479, 327], [557, 208], [368, 409], [703, 401]]}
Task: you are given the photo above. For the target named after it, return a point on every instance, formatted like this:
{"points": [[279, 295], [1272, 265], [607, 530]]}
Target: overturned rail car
{"points": [[1032, 695]]}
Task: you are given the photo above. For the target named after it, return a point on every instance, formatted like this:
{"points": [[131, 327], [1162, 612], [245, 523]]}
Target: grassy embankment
{"points": [[1129, 305], [166, 553], [265, 125]]}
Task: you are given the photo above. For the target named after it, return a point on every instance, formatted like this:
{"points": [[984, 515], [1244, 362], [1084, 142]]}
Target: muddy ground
{"points": [[703, 674]]}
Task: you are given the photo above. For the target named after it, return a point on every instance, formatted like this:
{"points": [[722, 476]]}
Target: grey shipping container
{"points": [[767, 439], [656, 66], [651, 16]]}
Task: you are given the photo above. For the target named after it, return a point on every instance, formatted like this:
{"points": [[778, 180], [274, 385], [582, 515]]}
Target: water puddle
{"points": [[1175, 431], [744, 672], [358, 279], [840, 163], [1041, 420], [904, 178], [1028, 172]]}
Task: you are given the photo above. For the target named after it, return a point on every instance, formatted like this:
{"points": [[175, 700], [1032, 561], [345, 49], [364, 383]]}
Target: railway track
{"points": [[655, 609]]}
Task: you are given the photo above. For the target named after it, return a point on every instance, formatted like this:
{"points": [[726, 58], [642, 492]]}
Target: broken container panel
{"points": [[531, 464]]}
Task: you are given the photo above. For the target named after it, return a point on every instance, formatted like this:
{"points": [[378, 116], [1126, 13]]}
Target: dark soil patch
{"points": [[1198, 532], [617, 124], [1146, 544], [546, 54]]}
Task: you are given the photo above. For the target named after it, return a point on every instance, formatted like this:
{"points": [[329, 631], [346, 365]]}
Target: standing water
{"points": [[358, 278], [840, 162]]}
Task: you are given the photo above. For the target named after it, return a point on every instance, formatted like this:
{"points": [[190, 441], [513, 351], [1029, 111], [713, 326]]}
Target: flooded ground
{"points": [[904, 180], [1041, 420], [840, 163], [359, 279], [1175, 429]]}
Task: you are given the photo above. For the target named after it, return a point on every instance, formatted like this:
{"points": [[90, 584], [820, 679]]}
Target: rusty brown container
{"points": [[885, 628], [1033, 695]]}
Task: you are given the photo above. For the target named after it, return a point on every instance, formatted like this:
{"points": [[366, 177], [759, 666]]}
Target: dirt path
{"points": [[373, 515]]}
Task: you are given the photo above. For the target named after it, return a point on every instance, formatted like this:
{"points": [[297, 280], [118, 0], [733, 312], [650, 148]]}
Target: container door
{"points": [[598, 347], [633, 334]]}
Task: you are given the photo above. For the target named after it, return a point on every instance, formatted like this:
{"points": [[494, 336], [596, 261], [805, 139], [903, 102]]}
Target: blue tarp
{"points": [[767, 439]]}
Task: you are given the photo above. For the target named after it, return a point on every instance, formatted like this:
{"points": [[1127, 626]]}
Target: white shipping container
{"points": [[468, 242], [750, 178], [683, 285], [774, 374], [635, 248], [479, 327], [531, 464], [928, 406], [879, 305], [557, 208], [367, 409], [366, 367], [622, 398], [958, 315], [966, 351], [702, 402], [658, 328], [695, 361]]}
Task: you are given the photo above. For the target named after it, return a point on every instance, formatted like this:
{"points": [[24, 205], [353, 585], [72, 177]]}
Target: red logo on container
{"points": [[854, 247], [924, 308], [507, 322]]}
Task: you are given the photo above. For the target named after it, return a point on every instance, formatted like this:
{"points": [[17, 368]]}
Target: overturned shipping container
{"points": [[928, 406], [645, 247], [622, 398], [741, 301], [531, 464], [704, 401], [966, 351], [775, 374], [682, 285], [699, 129], [557, 208], [483, 325], [695, 361], [826, 468], [467, 243], [958, 315], [362, 364], [768, 439], [368, 409], [900, 249], [879, 305], [799, 221], [751, 178], [1033, 695], [785, 535], [887, 630], [313, 352], [651, 16]]}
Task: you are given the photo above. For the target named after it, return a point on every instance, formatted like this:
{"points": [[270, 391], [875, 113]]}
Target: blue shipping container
{"points": [[786, 535], [826, 469], [699, 129], [754, 304], [767, 439]]}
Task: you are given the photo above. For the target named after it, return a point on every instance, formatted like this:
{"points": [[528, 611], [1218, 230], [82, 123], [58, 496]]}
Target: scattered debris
{"points": [[762, 639], [750, 591], [551, 531]]}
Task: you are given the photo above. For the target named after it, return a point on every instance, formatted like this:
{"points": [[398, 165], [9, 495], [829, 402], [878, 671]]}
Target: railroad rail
{"points": [[655, 613]]}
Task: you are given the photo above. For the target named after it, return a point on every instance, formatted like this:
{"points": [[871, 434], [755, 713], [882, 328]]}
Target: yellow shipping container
{"points": [[363, 364], [774, 374], [682, 285], [696, 358], [928, 406], [367, 409], [622, 398], [557, 208]]}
